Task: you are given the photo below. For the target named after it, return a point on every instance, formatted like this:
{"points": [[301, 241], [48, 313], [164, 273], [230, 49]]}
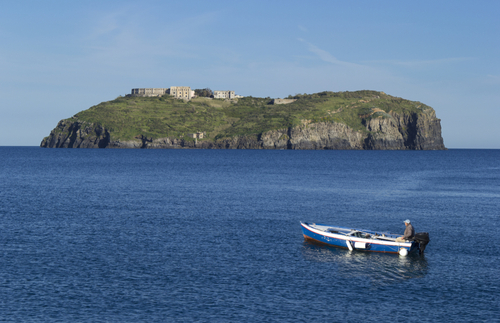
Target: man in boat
{"points": [[409, 232]]}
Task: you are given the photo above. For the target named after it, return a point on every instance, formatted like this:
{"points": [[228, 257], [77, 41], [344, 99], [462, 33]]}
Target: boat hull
{"points": [[342, 240]]}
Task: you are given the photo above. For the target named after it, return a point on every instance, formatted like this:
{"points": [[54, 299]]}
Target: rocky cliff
{"points": [[389, 131]]}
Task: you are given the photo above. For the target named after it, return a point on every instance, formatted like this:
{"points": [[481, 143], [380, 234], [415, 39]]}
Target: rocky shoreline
{"points": [[410, 131]]}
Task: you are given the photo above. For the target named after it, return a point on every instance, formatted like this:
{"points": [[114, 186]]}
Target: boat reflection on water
{"points": [[380, 268]]}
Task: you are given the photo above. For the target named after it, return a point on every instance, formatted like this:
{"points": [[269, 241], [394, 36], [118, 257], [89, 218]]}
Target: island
{"points": [[179, 118]]}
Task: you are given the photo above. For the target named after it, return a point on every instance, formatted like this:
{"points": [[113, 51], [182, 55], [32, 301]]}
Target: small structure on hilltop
{"points": [[283, 101]]}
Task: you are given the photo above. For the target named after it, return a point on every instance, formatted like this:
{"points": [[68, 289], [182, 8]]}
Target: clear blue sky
{"points": [[61, 57]]}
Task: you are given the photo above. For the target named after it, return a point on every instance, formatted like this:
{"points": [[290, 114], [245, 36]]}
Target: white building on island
{"points": [[180, 92], [149, 92], [226, 95], [223, 94]]}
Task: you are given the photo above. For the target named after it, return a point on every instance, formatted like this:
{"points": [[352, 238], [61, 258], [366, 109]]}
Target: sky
{"points": [[58, 58]]}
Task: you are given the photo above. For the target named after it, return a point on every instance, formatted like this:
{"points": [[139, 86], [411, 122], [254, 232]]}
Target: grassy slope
{"points": [[127, 117]]}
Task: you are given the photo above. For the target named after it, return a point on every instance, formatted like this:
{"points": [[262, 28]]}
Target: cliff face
{"points": [[72, 133], [413, 131]]}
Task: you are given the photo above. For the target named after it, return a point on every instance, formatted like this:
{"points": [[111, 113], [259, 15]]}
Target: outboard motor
{"points": [[422, 238]]}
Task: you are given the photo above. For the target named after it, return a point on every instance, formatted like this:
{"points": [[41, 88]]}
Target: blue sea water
{"points": [[214, 235]]}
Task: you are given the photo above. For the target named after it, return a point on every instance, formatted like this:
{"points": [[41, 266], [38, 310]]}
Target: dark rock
{"points": [[72, 133]]}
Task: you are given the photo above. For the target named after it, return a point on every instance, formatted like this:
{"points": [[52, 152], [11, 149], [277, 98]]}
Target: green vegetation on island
{"points": [[158, 117]]}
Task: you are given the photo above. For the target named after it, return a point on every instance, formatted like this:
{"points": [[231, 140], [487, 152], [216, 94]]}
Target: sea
{"points": [[109, 235]]}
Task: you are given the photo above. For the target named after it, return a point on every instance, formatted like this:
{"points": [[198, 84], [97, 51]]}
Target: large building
{"points": [[181, 92], [149, 92], [224, 95]]}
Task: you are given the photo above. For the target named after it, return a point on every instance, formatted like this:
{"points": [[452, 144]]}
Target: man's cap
{"points": [[407, 221]]}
